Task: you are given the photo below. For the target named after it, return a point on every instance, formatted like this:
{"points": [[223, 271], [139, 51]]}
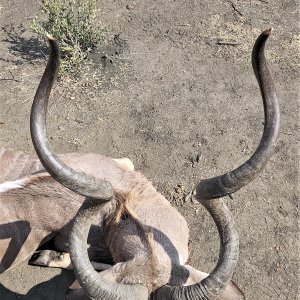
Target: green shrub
{"points": [[73, 24]]}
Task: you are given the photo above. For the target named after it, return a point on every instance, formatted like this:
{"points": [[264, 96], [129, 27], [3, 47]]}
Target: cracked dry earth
{"points": [[180, 99]]}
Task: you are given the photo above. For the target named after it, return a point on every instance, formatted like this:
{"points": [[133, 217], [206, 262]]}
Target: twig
{"points": [[234, 7], [13, 77], [3, 79], [230, 43]]}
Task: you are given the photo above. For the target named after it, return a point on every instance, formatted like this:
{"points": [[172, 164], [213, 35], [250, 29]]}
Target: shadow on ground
{"points": [[28, 48], [59, 284]]}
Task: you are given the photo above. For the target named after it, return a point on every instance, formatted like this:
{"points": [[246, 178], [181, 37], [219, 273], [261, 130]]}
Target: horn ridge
{"points": [[234, 180], [78, 182]]}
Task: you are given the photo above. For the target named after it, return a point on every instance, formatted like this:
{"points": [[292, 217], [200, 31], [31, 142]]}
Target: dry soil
{"points": [[173, 89]]}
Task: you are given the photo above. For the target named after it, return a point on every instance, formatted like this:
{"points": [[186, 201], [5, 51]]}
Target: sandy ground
{"points": [[183, 107]]}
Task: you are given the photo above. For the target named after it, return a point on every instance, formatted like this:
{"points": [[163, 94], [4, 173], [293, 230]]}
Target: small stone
{"points": [[179, 189]]}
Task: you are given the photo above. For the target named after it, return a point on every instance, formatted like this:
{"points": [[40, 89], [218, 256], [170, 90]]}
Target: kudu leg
{"points": [[62, 260]]}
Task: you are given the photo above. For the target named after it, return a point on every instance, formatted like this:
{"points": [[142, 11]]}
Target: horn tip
{"points": [[50, 37], [268, 31]]}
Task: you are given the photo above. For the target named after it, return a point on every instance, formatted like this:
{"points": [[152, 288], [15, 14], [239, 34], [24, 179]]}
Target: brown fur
{"points": [[125, 208], [14, 165], [134, 229]]}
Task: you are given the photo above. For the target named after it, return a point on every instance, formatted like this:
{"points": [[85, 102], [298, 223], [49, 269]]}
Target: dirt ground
{"points": [[173, 96]]}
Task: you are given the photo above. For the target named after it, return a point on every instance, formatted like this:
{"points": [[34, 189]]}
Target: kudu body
{"points": [[35, 208], [137, 228]]}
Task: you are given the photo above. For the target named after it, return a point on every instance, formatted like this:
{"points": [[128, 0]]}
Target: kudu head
{"points": [[207, 191]]}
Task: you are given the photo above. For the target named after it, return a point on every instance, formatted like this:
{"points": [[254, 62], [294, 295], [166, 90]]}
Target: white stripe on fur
{"points": [[12, 185]]}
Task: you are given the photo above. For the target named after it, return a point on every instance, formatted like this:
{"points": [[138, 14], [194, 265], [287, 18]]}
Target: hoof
{"points": [[51, 258]]}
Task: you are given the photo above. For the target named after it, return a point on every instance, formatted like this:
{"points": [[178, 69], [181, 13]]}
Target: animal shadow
{"points": [[53, 289]]}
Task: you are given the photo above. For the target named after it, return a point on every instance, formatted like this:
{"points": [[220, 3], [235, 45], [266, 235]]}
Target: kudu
{"points": [[146, 237]]}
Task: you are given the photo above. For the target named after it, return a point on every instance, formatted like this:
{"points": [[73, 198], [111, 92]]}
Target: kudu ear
{"points": [[231, 292], [124, 163]]}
